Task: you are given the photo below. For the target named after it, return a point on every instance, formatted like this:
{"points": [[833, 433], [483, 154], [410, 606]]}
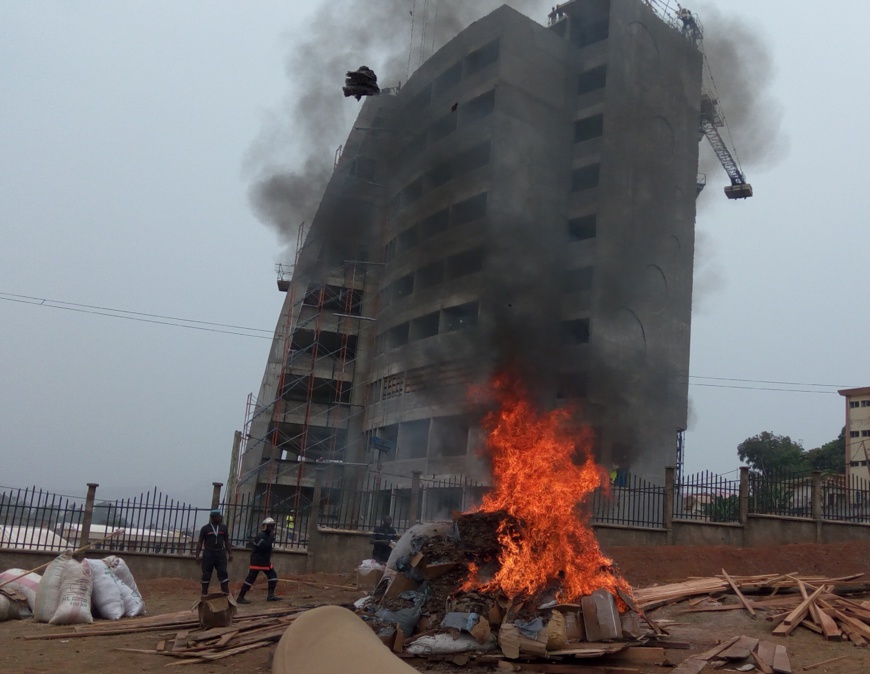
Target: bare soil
{"points": [[642, 566]]}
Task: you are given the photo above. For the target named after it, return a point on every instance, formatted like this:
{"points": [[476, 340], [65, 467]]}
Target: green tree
{"points": [[769, 454], [830, 457]]}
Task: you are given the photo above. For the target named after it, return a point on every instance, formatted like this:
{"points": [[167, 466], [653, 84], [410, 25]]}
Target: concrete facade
{"points": [[527, 199], [857, 432]]}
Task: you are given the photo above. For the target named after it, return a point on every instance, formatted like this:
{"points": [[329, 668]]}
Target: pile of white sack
{"points": [[72, 592]]}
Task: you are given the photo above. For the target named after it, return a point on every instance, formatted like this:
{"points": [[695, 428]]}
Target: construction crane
{"points": [[711, 122]]}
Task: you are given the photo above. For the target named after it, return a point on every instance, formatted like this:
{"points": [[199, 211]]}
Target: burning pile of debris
{"points": [[436, 599], [524, 573]]}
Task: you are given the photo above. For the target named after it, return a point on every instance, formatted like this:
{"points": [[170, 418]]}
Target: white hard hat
{"points": [[268, 520]]}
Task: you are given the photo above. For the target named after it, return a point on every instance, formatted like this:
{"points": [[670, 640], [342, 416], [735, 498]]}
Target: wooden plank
{"points": [[765, 651], [225, 639], [816, 665], [690, 666], [781, 664], [564, 668], [713, 652], [793, 619], [761, 664], [739, 593], [740, 649], [635, 655], [180, 642]]}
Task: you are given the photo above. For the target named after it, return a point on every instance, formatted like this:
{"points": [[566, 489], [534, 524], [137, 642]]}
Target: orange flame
{"points": [[538, 483]]}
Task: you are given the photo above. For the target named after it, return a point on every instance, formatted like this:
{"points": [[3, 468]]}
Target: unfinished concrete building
{"points": [[526, 198]]}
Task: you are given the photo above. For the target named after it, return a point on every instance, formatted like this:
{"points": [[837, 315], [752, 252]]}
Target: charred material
{"points": [[361, 82]]}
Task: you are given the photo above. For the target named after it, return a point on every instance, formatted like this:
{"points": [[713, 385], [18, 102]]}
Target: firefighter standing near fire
{"points": [[214, 537], [261, 560]]}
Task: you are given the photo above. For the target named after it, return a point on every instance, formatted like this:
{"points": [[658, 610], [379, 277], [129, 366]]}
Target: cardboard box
{"points": [[216, 610]]}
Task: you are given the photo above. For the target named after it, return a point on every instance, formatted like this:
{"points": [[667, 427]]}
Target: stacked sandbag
{"points": [[48, 592], [64, 593], [74, 606], [106, 599], [24, 583], [134, 605]]}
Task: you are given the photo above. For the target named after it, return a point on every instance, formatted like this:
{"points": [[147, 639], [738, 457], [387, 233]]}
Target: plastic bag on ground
{"points": [[106, 595], [48, 592], [27, 584], [74, 606], [445, 644]]}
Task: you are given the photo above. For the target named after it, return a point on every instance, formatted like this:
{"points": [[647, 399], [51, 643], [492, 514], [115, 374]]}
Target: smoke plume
{"points": [[291, 159]]}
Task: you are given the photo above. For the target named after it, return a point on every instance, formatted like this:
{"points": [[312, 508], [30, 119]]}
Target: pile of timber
{"points": [[182, 638], [821, 605]]}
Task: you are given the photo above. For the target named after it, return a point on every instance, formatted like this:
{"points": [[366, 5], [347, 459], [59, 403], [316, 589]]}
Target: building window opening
{"points": [[575, 332], [580, 229], [472, 158], [424, 326], [591, 33], [865, 403], [403, 287], [477, 108], [479, 59], [854, 434], [448, 79], [435, 224], [585, 178], [430, 276], [853, 404], [450, 436], [469, 210], [397, 336], [588, 128], [407, 239], [459, 317], [592, 80], [463, 264], [413, 441], [443, 127], [412, 193], [572, 385], [439, 175]]}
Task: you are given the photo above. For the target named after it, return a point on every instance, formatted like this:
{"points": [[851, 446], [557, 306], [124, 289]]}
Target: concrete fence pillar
{"points": [[216, 494], [88, 515], [816, 496], [668, 503], [313, 520], [743, 497], [414, 510]]}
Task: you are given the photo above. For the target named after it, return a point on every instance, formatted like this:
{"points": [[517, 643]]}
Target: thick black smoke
{"points": [[292, 158]]}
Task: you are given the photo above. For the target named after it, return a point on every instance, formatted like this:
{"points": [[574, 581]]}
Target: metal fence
{"points": [[707, 497], [630, 501], [34, 519]]}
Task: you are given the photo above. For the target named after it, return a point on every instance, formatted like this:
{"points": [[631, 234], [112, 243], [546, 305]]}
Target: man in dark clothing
{"points": [[381, 537], [261, 560], [215, 538]]}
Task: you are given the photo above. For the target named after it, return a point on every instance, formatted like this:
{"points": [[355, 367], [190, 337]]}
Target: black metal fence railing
{"points": [[630, 501], [33, 519], [782, 493], [707, 497]]}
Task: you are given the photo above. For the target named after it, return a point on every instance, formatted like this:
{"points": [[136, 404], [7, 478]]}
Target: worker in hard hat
{"points": [[261, 560], [214, 537]]}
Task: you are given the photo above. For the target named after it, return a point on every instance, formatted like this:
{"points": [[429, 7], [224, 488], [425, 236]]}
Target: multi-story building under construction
{"points": [[526, 199]]}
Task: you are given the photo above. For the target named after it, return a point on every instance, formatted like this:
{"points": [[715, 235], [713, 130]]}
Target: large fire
{"points": [[540, 484]]}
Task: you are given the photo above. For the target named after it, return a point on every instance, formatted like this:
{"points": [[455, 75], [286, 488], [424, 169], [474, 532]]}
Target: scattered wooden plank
{"points": [[781, 664], [180, 642], [816, 665], [761, 664], [225, 639], [738, 593], [690, 666], [740, 649], [793, 619]]}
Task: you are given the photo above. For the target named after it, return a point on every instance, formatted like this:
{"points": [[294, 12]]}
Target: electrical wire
{"points": [[135, 316]]}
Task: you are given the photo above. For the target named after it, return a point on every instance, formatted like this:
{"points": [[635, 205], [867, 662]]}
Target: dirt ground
{"points": [[642, 566]]}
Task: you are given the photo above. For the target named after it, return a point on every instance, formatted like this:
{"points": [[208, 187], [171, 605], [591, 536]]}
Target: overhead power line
{"points": [[142, 317]]}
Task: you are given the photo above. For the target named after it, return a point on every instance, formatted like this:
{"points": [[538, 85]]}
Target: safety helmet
{"points": [[268, 520]]}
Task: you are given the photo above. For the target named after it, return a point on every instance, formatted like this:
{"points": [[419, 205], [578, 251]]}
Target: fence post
{"points": [[414, 511], [743, 496], [216, 494], [668, 503], [88, 515], [313, 519]]}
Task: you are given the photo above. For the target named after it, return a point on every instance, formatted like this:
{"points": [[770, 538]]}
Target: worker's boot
{"points": [[205, 589], [241, 598], [271, 596], [225, 587]]}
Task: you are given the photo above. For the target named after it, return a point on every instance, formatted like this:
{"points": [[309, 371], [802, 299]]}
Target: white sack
{"points": [[120, 569], [48, 592], [133, 604], [74, 607], [106, 594]]}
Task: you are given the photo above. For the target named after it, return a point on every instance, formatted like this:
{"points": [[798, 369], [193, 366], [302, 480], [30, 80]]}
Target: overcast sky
{"points": [[126, 136]]}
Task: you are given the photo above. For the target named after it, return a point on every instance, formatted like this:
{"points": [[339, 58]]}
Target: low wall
{"points": [[338, 551], [617, 536], [708, 533]]}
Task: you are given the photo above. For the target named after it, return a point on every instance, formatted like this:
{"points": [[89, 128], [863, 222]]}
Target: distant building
{"points": [[857, 432], [527, 197]]}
